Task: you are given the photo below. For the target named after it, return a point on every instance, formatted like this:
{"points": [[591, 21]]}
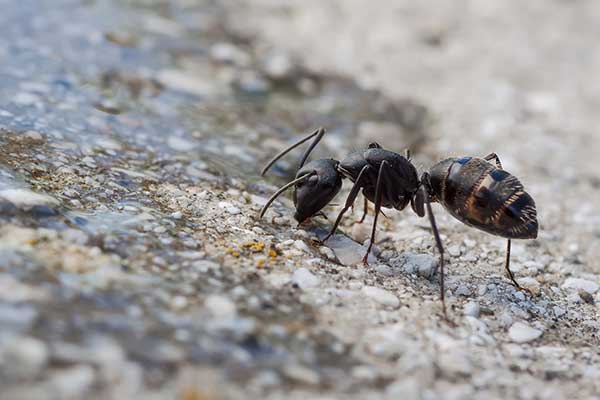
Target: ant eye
{"points": [[374, 145]]}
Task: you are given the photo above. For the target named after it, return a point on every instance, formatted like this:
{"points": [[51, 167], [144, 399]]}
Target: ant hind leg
{"points": [[507, 265]]}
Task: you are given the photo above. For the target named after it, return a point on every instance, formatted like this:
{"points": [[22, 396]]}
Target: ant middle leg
{"points": [[378, 200], [365, 212]]}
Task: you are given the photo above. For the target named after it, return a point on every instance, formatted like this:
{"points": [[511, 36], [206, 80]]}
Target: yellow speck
{"points": [[260, 263], [235, 254], [272, 253], [255, 247]]}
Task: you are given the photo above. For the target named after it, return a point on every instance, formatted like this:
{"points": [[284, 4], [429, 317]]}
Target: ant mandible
{"points": [[471, 189]]}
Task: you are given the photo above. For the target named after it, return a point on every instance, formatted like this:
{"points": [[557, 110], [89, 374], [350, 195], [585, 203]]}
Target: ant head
{"points": [[321, 185]]}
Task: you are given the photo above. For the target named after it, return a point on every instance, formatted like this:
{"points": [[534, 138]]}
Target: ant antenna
{"points": [[318, 134], [283, 189]]}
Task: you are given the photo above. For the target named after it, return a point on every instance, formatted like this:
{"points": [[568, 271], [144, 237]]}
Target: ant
{"points": [[473, 190]]}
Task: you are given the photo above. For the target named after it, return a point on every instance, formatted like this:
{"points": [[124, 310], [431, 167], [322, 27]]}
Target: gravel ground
{"points": [[132, 260]]}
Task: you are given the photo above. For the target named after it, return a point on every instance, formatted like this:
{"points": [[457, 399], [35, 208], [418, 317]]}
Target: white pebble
{"points": [[581, 284], [558, 311], [530, 283], [454, 250], [220, 306], [471, 309], [300, 245], [72, 383], [381, 296], [422, 264], [25, 357], [25, 197], [327, 252], [230, 208], [520, 332], [305, 279]]}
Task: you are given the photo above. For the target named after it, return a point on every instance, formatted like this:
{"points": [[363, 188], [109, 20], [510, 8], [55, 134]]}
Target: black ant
{"points": [[471, 189]]}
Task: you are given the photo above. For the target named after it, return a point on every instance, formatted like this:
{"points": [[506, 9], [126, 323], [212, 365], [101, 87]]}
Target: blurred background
{"points": [[132, 261]]}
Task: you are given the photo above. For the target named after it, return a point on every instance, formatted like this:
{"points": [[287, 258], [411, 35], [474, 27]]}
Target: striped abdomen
{"points": [[485, 197]]}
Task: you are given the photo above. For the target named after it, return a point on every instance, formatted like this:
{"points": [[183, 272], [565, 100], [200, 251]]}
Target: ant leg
{"points": [[377, 208], [365, 211], [318, 135], [281, 190], [349, 200], [507, 265], [494, 156], [440, 247]]}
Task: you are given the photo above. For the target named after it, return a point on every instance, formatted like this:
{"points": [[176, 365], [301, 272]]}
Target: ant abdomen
{"points": [[486, 197]]}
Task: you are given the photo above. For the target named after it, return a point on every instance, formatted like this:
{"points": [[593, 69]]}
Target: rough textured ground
{"points": [[132, 261]]}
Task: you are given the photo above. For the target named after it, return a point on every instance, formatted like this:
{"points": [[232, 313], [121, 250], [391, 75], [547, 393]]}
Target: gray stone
{"points": [[347, 251], [424, 265]]}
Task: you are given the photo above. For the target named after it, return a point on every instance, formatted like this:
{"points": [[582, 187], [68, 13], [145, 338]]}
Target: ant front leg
{"points": [[349, 200]]}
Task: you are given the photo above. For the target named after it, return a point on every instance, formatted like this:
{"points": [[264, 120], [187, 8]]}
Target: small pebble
{"points": [[301, 374], [26, 357], [520, 332], [472, 309], [580, 284], [530, 284], [305, 279], [462, 290], [300, 245], [558, 311], [585, 296], [327, 252], [220, 306], [422, 264], [26, 198], [381, 296], [454, 250], [230, 208]]}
